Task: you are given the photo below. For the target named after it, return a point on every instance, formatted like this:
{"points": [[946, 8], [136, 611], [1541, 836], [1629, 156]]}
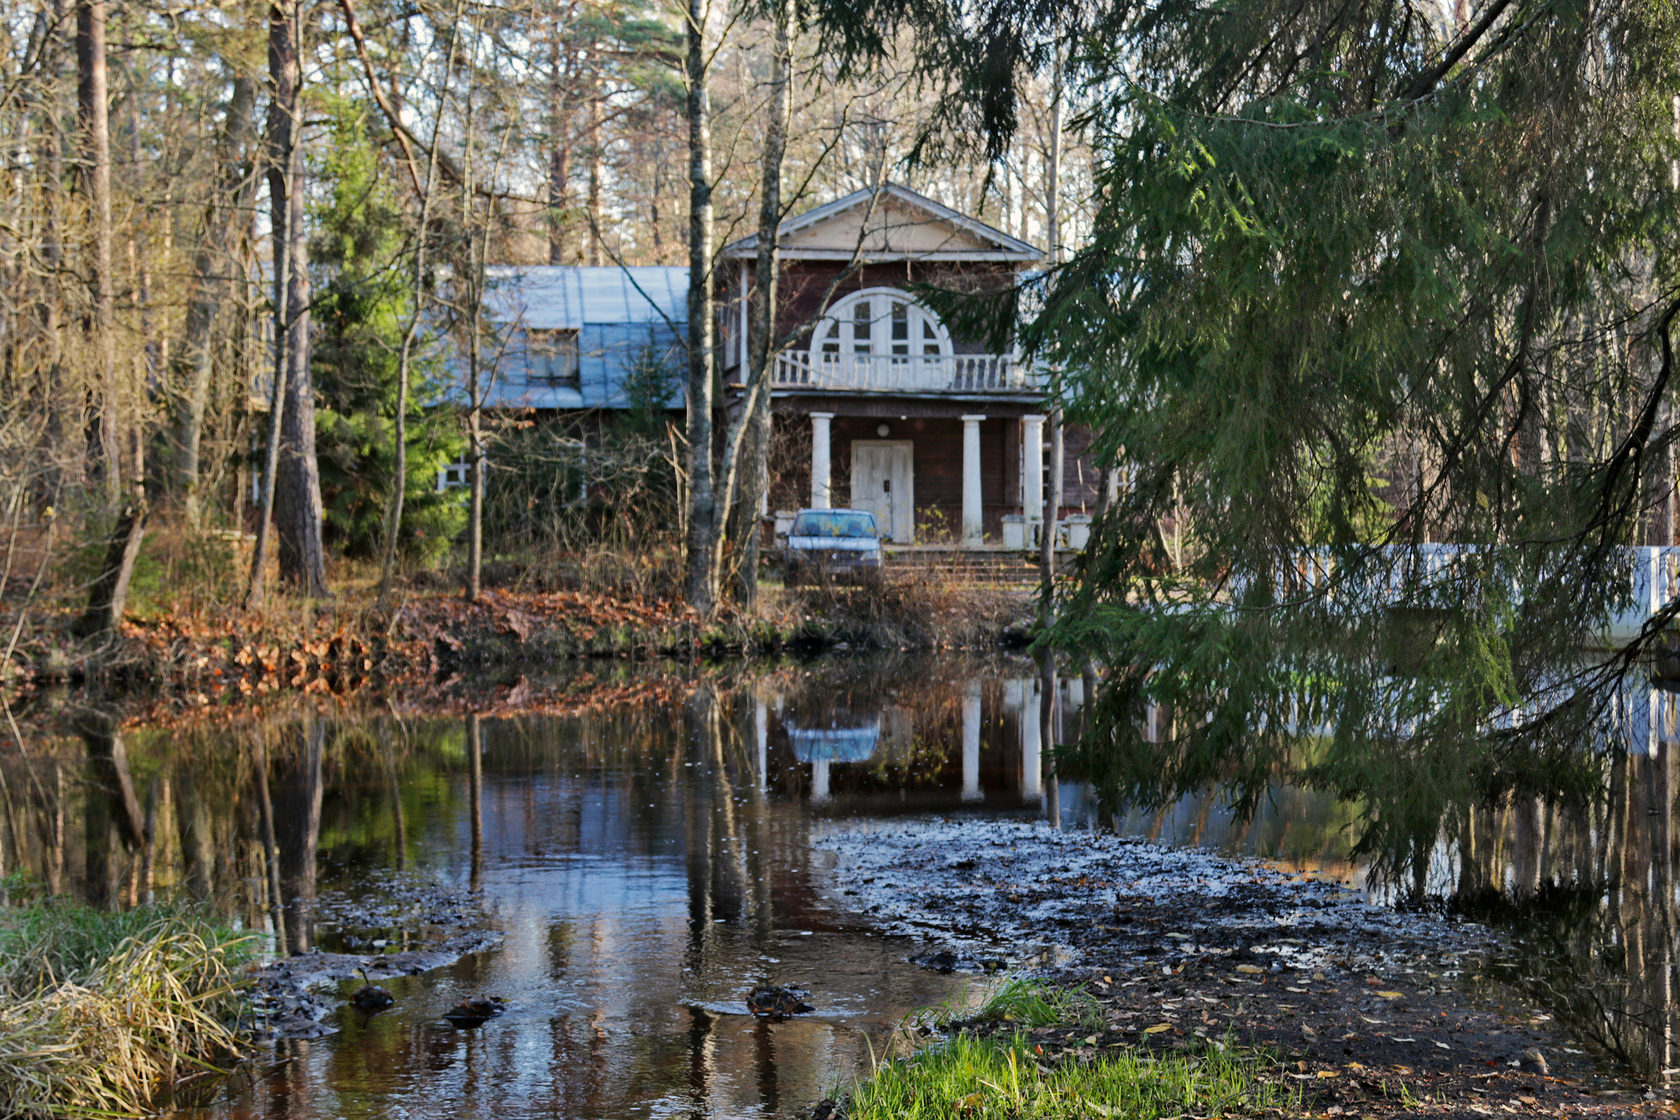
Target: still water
{"points": [[649, 863]]}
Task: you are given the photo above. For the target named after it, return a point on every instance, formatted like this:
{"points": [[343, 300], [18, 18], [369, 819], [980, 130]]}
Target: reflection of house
{"points": [[903, 416]]}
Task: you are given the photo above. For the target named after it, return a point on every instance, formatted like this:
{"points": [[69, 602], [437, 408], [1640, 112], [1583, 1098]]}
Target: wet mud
{"points": [[394, 926], [1365, 1008]]}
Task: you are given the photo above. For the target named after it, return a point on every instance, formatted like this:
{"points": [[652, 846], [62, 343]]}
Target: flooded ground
{"points": [[623, 878]]}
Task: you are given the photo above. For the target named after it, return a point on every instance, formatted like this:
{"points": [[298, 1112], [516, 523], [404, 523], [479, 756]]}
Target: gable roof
{"points": [[901, 225], [565, 297]]}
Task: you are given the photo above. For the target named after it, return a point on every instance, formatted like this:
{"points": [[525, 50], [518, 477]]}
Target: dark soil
{"points": [[1364, 1008]]}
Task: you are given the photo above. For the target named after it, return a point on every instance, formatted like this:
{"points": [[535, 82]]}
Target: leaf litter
{"points": [[1364, 1005]]}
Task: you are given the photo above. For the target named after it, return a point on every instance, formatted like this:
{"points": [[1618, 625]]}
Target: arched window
{"points": [[882, 323]]}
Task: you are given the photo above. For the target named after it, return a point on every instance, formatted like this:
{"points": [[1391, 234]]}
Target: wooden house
{"points": [[942, 438]]}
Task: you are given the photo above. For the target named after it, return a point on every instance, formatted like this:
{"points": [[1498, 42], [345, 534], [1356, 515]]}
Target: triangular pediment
{"points": [[891, 223]]}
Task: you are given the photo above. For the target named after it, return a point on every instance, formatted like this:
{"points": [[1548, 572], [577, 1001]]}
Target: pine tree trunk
{"points": [[297, 481], [559, 160], [559, 216], [701, 581], [592, 154]]}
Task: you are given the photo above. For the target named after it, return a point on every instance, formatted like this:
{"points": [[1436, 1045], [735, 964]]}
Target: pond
{"points": [[648, 863]]}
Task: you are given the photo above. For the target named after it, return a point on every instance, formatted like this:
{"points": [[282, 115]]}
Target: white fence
{"points": [[1430, 572], [876, 373]]}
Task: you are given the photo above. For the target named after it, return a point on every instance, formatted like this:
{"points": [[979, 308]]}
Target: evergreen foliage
{"points": [[1360, 280], [361, 244]]}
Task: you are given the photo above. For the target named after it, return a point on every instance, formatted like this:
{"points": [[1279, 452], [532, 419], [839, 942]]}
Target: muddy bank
{"points": [[1367, 1007], [393, 927]]}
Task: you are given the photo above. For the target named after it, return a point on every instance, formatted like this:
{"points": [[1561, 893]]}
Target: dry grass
{"points": [[908, 610], [113, 1037]]}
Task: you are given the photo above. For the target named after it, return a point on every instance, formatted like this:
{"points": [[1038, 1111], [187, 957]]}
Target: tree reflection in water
{"points": [[650, 864]]}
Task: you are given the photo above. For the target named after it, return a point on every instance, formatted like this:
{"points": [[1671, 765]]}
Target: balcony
{"points": [[984, 374]]}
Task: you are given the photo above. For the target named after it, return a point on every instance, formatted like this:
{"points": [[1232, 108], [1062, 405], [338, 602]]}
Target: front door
{"points": [[883, 482]]}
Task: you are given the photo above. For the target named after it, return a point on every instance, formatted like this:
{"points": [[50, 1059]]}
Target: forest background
{"points": [[187, 184]]}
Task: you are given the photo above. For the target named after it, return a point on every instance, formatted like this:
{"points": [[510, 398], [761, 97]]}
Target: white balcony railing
{"points": [[880, 373]]}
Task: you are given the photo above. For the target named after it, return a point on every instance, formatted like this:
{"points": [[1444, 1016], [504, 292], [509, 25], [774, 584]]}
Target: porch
{"points": [[886, 373], [933, 475]]}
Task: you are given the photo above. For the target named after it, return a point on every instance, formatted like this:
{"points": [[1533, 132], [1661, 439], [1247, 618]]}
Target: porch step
{"points": [[993, 567]]}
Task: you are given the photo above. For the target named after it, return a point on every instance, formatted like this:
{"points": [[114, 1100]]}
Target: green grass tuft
{"points": [[986, 1077], [1033, 1003]]}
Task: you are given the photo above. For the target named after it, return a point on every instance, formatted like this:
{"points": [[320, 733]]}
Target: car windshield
{"points": [[834, 523]]}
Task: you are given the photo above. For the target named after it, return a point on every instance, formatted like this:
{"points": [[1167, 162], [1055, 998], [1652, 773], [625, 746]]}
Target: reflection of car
{"points": [[831, 542], [834, 744]]}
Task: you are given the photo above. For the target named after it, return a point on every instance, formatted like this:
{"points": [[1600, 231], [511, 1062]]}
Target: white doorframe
{"points": [[903, 486]]}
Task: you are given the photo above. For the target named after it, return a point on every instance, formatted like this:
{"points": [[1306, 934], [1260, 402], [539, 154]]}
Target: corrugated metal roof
{"points": [[567, 297]]}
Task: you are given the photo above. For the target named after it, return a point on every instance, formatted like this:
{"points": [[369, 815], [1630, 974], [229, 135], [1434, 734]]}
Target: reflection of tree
{"points": [[112, 810], [1589, 892], [296, 792]]}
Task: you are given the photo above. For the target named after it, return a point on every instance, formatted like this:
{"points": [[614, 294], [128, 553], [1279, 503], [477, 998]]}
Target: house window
{"points": [[880, 322], [452, 476], [551, 357]]}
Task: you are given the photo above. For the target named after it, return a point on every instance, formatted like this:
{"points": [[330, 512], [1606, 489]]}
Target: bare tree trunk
{"points": [[558, 217], [119, 421], [1053, 234], [559, 158], [296, 478], [223, 215], [701, 584], [94, 180], [1052, 510], [473, 308], [749, 449], [593, 155], [56, 394], [1053, 172], [399, 484]]}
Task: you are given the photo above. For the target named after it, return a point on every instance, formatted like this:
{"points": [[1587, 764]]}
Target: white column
{"points": [[1032, 746], [971, 743], [821, 484], [819, 781], [972, 527], [746, 316], [1032, 468]]}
